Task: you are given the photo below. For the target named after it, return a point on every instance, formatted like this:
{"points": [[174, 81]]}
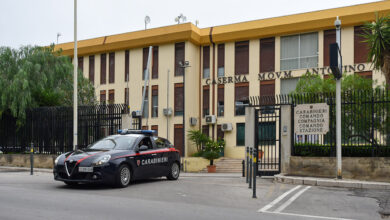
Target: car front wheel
{"points": [[123, 176], [174, 172]]}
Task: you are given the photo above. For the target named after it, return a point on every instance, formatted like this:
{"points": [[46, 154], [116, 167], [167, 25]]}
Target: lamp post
{"points": [[58, 35], [337, 23], [75, 79], [184, 66]]}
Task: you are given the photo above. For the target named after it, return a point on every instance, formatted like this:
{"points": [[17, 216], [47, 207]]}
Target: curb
{"points": [[24, 169], [327, 182]]}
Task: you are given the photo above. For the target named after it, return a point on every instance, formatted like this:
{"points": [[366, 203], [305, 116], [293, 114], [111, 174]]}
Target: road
{"points": [[40, 197]]}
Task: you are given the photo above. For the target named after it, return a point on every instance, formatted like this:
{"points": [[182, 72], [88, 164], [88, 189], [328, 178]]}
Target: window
{"points": [[103, 64], [221, 60], [366, 74], [206, 100], [220, 133], [145, 127], [205, 130], [92, 69], [267, 96], [80, 64], [127, 102], [111, 96], [241, 59], [102, 96], [179, 92], [241, 94], [127, 65], [267, 133], [288, 85], [178, 138], [329, 38], [240, 134], [161, 142], [299, 51], [154, 66], [179, 57], [221, 100], [154, 101], [111, 73], [361, 48], [267, 55], [206, 62], [155, 63], [145, 112], [155, 128]]}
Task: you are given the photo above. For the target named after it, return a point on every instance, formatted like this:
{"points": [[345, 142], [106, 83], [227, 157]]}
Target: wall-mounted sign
{"points": [[311, 119], [282, 74]]}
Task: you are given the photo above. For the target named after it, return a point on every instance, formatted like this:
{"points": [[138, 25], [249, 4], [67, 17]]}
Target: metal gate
{"points": [[268, 140]]}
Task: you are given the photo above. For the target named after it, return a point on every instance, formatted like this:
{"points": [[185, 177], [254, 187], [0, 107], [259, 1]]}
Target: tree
{"points": [[37, 76], [377, 35]]}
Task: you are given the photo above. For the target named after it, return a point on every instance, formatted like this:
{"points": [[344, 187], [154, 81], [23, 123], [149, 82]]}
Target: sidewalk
{"points": [[344, 183]]}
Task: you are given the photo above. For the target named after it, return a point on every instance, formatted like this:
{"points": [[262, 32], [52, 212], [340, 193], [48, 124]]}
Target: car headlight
{"points": [[102, 160], [56, 160]]}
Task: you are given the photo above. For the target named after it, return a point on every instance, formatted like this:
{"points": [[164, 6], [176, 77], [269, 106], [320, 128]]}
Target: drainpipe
{"points": [[213, 80], [200, 87]]}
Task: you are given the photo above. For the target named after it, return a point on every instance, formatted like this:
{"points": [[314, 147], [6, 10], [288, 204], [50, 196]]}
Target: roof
{"points": [[290, 24]]}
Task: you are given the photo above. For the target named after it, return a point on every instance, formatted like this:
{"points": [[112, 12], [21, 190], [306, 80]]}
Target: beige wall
{"points": [[192, 54]]}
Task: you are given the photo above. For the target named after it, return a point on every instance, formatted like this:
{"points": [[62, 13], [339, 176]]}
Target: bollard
{"points": [[32, 159], [247, 164], [243, 168], [250, 168], [254, 172]]}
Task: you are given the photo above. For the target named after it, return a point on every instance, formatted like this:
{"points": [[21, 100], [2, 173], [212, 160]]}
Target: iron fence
{"points": [[50, 129], [365, 123]]}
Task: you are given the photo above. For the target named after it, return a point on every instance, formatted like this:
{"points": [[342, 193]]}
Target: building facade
{"points": [[226, 65]]}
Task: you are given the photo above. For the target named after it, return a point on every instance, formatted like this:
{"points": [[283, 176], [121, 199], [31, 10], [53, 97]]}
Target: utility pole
{"points": [[75, 62], [337, 23]]}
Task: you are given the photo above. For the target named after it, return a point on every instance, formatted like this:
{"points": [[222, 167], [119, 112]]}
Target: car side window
{"points": [[160, 143], [147, 142]]}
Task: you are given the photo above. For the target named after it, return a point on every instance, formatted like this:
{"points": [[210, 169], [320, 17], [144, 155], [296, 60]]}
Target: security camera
{"points": [[337, 23], [186, 63], [180, 63]]}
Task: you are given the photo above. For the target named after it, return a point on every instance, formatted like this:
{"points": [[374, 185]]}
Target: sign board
{"points": [[311, 119]]}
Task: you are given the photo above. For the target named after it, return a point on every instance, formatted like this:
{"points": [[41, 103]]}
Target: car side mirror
{"points": [[143, 148]]}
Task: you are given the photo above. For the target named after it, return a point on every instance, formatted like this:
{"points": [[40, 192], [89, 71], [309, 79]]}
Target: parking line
{"points": [[291, 200], [306, 216], [270, 205]]}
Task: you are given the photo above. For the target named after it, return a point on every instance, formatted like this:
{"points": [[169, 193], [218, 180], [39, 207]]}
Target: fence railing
{"points": [[365, 123], [50, 129]]}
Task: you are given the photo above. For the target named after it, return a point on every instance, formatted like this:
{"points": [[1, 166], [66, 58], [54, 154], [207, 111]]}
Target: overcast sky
{"points": [[37, 22]]}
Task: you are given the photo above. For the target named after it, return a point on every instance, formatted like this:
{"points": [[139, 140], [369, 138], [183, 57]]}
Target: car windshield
{"points": [[114, 142]]}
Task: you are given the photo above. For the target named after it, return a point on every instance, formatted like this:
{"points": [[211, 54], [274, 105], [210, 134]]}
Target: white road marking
{"points": [[270, 205], [291, 200], [307, 216]]}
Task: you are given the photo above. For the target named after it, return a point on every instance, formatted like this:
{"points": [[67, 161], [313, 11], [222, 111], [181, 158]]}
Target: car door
{"points": [[145, 159], [161, 155]]}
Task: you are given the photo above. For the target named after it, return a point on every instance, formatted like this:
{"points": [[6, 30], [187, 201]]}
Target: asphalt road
{"points": [[40, 197]]}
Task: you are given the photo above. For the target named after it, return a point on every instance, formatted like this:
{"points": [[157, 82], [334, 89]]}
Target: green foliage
{"points": [[325, 150], [198, 138], [313, 83], [377, 35], [38, 76]]}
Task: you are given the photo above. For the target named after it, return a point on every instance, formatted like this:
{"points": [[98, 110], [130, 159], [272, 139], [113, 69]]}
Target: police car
{"points": [[119, 159]]}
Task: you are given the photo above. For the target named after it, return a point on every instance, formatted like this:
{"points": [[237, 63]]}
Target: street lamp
{"points": [[75, 79], [58, 35], [337, 23], [184, 65]]}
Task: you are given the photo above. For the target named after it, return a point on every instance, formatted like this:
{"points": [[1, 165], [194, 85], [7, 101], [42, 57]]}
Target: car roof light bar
{"points": [[129, 131]]}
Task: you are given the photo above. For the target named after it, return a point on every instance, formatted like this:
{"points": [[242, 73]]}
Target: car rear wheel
{"points": [[174, 172], [123, 176]]}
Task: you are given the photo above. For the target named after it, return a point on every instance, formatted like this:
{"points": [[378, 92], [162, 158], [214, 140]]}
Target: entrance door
{"points": [[179, 138], [268, 140]]}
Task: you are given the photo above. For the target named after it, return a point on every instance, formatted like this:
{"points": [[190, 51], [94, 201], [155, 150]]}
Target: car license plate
{"points": [[85, 169]]}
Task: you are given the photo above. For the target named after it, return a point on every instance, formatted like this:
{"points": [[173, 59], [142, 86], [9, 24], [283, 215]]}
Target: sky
{"points": [[37, 22]]}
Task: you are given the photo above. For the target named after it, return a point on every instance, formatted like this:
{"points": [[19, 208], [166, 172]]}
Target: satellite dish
{"points": [[147, 19]]}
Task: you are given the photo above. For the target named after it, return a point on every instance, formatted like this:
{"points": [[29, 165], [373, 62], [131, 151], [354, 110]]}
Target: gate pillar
{"points": [[286, 138], [250, 121]]}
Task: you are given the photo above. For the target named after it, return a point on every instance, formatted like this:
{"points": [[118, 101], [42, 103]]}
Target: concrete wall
{"points": [[362, 168], [23, 160]]}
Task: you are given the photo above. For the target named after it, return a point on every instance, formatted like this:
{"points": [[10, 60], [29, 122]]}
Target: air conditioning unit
{"points": [[193, 121], [136, 114], [211, 119], [226, 127], [167, 111]]}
